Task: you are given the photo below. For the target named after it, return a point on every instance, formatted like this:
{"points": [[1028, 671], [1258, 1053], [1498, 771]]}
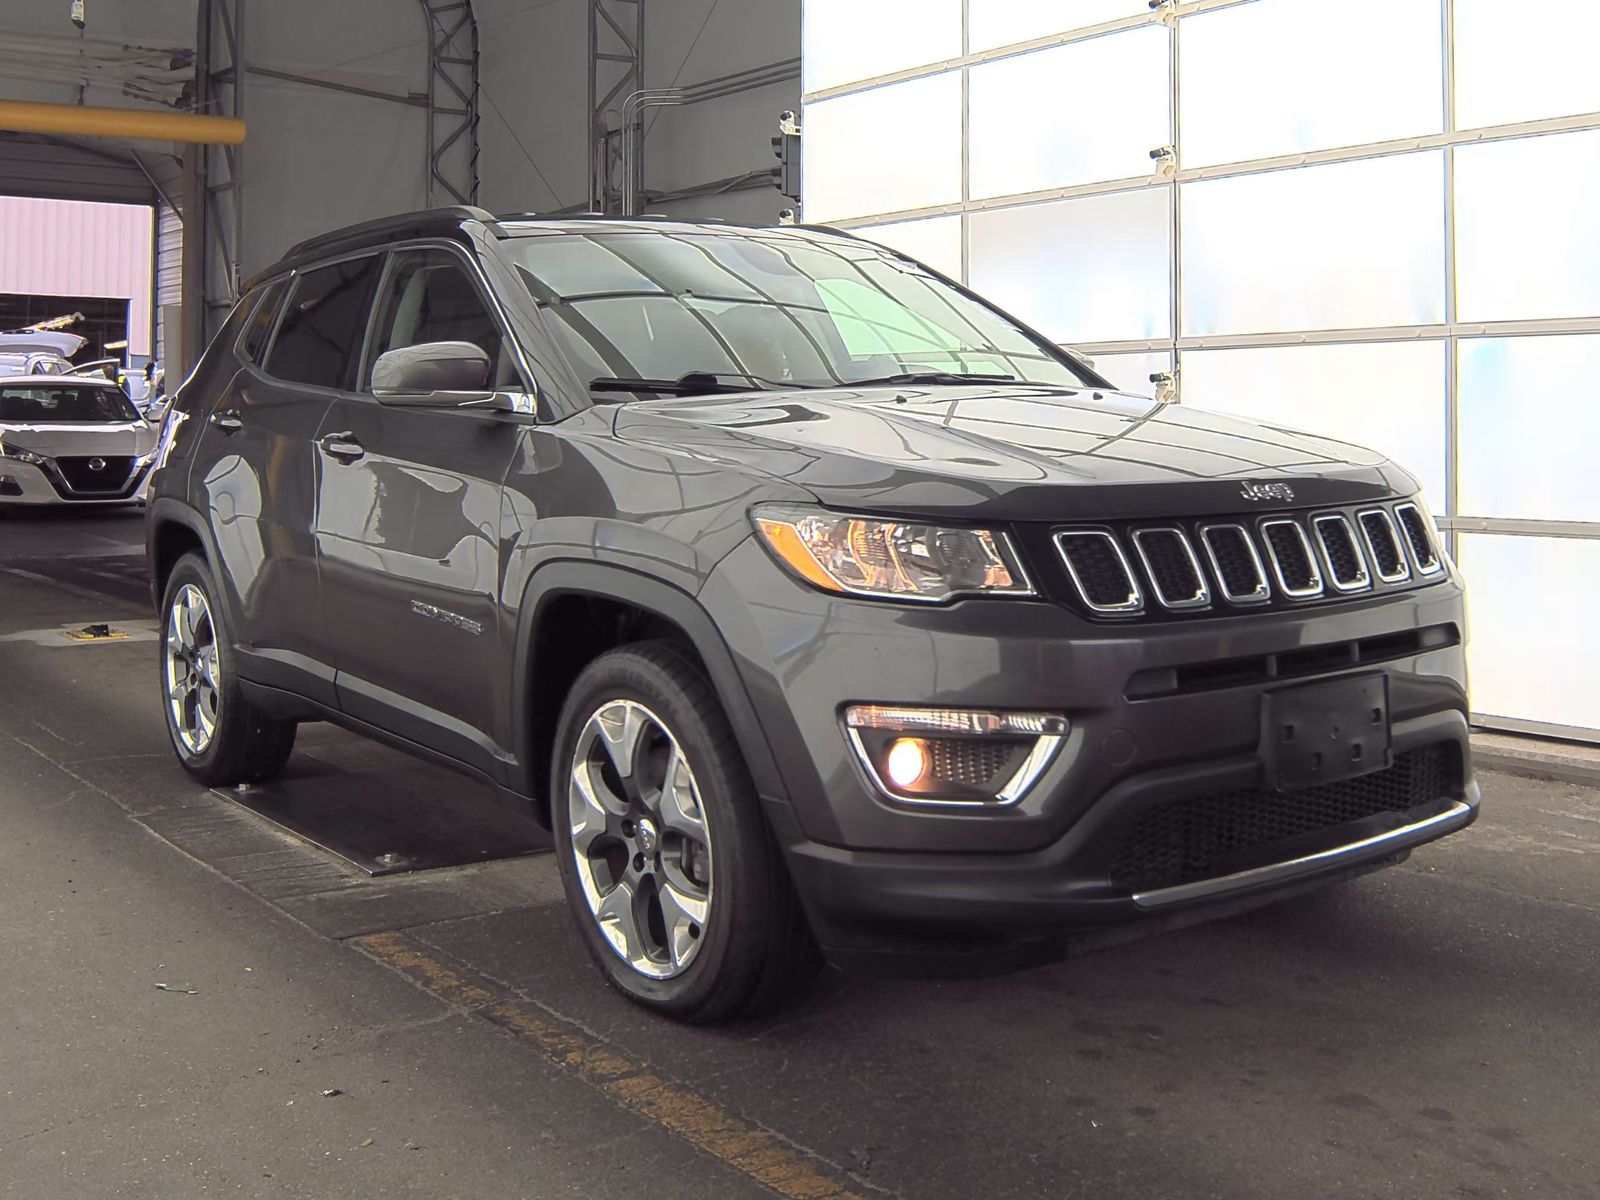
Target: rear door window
{"points": [[320, 334], [254, 343]]}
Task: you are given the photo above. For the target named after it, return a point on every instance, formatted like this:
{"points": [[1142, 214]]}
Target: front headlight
{"points": [[900, 560], [23, 456]]}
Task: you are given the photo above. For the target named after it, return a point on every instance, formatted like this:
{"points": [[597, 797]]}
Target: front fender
{"points": [[554, 579]]}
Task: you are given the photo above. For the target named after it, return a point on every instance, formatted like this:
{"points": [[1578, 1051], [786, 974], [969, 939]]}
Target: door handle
{"points": [[228, 421], [342, 446]]}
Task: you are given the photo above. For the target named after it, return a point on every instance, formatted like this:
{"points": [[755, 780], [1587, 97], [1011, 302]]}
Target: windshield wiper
{"points": [[936, 377], [692, 383]]}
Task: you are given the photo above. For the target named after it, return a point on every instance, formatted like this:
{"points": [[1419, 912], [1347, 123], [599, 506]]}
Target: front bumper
{"points": [[876, 875], [26, 483]]}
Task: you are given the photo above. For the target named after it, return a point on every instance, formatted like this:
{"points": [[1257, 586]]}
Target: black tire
{"points": [[756, 950], [246, 746]]}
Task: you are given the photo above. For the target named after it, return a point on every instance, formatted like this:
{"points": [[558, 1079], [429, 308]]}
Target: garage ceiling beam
{"points": [[415, 100]]}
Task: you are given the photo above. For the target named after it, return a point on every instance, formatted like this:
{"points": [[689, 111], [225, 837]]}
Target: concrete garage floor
{"points": [[1430, 1031]]}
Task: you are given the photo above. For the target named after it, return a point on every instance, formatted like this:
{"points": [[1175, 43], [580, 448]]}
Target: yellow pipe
{"points": [[24, 116]]}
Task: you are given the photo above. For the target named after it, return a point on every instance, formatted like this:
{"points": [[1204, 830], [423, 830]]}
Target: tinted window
{"points": [[430, 297], [261, 321], [65, 405], [321, 331]]}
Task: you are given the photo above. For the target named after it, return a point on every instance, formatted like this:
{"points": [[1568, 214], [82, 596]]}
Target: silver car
{"points": [[71, 440]]}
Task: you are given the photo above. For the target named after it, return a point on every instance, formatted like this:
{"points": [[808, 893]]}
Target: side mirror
{"points": [[432, 375]]}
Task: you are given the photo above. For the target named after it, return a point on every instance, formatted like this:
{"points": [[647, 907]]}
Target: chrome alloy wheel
{"points": [[189, 656], [639, 838]]}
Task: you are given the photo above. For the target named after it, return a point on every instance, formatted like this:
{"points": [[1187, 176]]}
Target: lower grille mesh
{"points": [[971, 761], [1233, 831]]}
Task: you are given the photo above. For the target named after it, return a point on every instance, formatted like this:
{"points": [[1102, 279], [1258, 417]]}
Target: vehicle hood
{"points": [[1018, 452], [55, 441]]}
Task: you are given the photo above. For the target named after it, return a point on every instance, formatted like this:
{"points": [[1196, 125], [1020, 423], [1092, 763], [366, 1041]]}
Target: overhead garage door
{"points": [[39, 166], [1372, 219]]}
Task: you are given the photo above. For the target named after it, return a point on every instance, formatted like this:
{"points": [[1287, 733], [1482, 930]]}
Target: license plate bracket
{"points": [[1325, 732]]}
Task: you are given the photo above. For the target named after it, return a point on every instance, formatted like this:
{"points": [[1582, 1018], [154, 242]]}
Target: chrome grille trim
{"points": [[1306, 591], [1201, 596], [1263, 591], [1363, 578], [1434, 563], [1393, 534], [1135, 602]]}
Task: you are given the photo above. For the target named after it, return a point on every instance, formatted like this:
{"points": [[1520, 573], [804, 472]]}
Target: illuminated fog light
{"points": [[907, 762], [951, 755]]}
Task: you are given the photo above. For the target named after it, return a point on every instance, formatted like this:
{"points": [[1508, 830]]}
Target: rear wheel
{"points": [[218, 735], [675, 883]]}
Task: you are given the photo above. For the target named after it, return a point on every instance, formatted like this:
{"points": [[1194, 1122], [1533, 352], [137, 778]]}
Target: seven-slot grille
{"points": [[1347, 570], [1173, 569], [1280, 557], [1423, 554], [1101, 572]]}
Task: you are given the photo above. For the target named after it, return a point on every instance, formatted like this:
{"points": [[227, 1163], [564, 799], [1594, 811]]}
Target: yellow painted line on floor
{"points": [[764, 1157]]}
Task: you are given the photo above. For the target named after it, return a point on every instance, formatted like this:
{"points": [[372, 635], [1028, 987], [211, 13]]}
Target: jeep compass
{"points": [[818, 608]]}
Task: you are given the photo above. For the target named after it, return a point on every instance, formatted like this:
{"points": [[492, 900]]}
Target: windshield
{"points": [[770, 307], [57, 405]]}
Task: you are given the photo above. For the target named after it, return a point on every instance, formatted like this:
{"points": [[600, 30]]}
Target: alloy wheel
{"points": [[640, 840], [190, 661]]}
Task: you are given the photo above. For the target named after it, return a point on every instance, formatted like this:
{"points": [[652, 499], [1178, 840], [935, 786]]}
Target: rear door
{"points": [[255, 472], [408, 522]]}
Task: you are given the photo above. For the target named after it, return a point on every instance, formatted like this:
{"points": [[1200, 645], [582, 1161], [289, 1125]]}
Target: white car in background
{"points": [[38, 352], [71, 439]]}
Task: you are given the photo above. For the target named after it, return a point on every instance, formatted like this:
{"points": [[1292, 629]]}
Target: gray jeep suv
{"points": [[812, 602]]}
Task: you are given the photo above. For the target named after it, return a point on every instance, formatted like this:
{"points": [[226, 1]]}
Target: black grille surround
{"points": [[82, 478], [1187, 841], [1214, 566]]}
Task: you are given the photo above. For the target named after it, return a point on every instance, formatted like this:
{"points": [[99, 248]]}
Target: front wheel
{"points": [[677, 888], [218, 735]]}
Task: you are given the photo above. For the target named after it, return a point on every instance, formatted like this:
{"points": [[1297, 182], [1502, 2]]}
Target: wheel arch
{"points": [[549, 656], [171, 531]]}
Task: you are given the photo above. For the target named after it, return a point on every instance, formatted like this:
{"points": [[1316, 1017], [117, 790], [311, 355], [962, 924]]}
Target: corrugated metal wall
{"points": [[169, 272], [74, 248]]}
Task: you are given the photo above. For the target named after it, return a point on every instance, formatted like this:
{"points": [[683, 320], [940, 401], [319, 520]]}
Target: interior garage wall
{"points": [[688, 41], [1373, 220], [316, 159], [534, 92], [534, 76]]}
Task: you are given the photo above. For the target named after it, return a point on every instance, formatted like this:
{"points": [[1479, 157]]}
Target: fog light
{"points": [[908, 762], [957, 756]]}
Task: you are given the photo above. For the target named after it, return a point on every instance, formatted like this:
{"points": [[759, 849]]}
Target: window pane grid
{"points": [[1349, 226]]}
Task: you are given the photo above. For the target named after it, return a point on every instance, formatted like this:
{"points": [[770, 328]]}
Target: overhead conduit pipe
{"points": [[26, 116]]}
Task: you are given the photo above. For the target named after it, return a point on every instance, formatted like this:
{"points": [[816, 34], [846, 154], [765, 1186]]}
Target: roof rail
{"points": [[617, 217], [396, 223]]}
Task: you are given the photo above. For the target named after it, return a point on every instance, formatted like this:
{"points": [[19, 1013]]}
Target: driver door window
{"points": [[430, 297]]}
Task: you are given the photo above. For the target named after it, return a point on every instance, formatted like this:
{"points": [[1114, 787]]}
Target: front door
{"points": [[408, 519], [255, 470]]}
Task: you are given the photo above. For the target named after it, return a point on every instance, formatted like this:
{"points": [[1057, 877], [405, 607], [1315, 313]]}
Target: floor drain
{"points": [[100, 632]]}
